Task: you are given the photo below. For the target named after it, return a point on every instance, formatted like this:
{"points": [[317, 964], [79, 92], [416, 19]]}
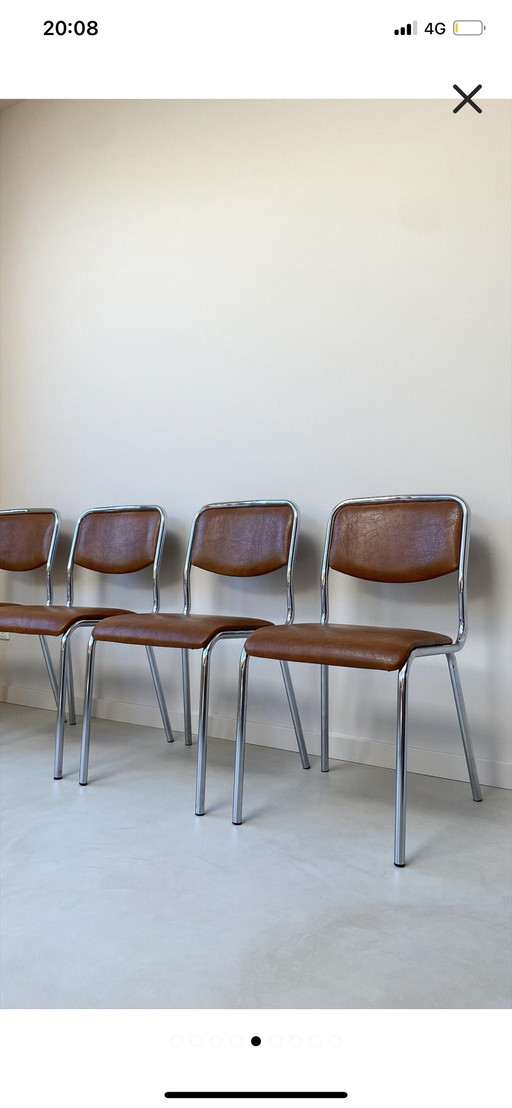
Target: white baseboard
{"points": [[433, 763]]}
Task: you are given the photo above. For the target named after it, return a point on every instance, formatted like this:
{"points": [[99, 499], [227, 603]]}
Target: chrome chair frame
{"points": [[402, 679], [48, 565], [64, 672], [206, 654]]}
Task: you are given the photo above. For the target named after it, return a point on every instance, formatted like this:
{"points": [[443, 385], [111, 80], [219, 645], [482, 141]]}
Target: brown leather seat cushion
{"points": [[40, 619], [192, 632], [341, 644]]}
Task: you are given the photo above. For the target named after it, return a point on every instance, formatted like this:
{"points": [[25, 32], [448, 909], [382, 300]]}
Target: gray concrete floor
{"points": [[117, 896]]}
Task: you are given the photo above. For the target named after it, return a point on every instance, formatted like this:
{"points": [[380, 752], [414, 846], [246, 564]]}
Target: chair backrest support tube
{"points": [[460, 567], [287, 561], [154, 559]]}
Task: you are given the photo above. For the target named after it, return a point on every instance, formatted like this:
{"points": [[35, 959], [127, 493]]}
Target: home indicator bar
{"points": [[258, 1096]]}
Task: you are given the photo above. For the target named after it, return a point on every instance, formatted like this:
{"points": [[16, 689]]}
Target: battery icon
{"points": [[468, 27]]}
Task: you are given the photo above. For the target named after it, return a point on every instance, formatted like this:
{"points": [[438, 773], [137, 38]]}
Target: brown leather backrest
{"points": [[25, 539], [120, 541], [243, 541], [397, 541]]}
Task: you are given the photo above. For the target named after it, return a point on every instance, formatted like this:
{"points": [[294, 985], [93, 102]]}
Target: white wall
{"points": [[216, 300]]}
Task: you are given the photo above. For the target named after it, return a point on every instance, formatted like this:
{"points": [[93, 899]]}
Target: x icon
{"points": [[467, 99]]}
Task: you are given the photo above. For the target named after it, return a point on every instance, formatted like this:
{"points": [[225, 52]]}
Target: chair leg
{"points": [[187, 716], [86, 722], [61, 706], [238, 784], [49, 666], [70, 689], [324, 712], [159, 694], [464, 726], [401, 765], [53, 680], [294, 711], [202, 731]]}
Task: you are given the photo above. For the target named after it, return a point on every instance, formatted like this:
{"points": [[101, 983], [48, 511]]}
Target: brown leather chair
{"points": [[107, 540], [28, 541], [236, 539], [395, 539]]}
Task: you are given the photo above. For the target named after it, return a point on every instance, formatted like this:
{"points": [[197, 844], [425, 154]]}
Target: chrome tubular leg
{"points": [[401, 765], [159, 694], [324, 713], [294, 711], [70, 689], [61, 708], [49, 665], [238, 784], [464, 726], [187, 717], [202, 731], [86, 722]]}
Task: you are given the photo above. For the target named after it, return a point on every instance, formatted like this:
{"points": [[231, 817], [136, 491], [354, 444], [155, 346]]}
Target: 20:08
{"points": [[77, 28]]}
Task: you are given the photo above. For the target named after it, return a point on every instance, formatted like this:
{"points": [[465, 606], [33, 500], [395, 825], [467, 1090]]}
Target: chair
{"points": [[112, 540], [28, 541], [396, 539], [236, 539]]}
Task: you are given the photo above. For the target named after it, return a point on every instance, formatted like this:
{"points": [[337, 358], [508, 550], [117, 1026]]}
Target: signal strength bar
{"points": [[409, 29]]}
